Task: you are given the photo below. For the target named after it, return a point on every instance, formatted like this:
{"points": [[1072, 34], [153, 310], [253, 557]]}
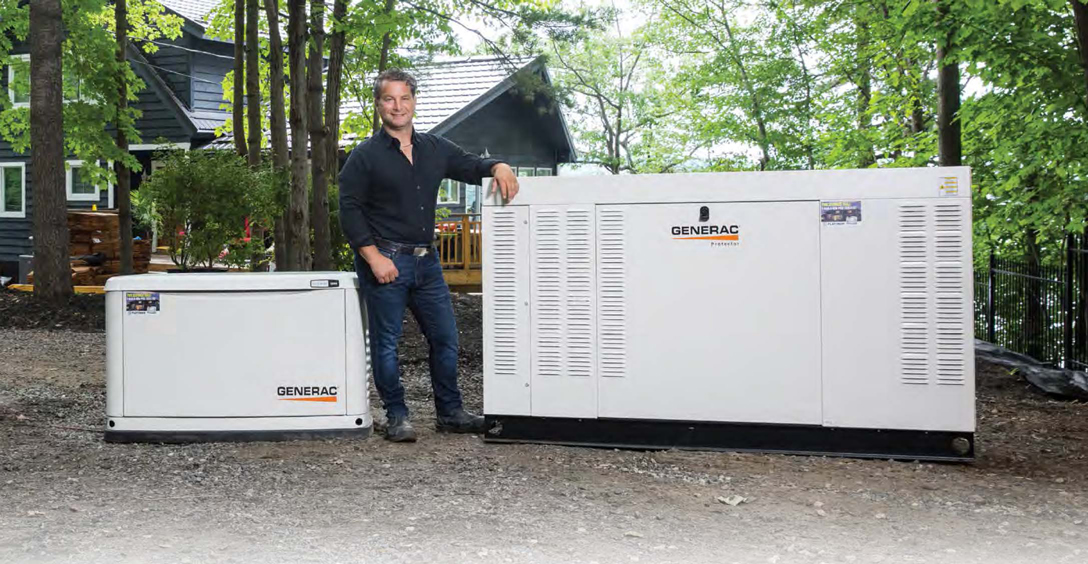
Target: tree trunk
{"points": [[253, 112], [948, 94], [277, 119], [298, 233], [253, 81], [52, 275], [867, 158], [124, 177], [332, 92], [319, 211], [238, 113], [1080, 18], [383, 61]]}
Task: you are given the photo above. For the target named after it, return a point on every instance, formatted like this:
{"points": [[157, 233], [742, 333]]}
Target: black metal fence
{"points": [[1037, 310]]}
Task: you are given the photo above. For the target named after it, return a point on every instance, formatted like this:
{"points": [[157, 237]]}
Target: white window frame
{"points": [[11, 91], [549, 171], [455, 189], [11, 80], [521, 170], [21, 214], [73, 197]]}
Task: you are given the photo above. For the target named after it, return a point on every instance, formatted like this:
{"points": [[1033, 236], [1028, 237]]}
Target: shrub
{"points": [[201, 201]]}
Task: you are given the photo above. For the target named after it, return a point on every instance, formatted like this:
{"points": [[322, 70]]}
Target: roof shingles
{"points": [[192, 10]]}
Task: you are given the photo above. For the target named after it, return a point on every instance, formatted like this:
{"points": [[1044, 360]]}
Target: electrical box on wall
{"points": [[235, 356], [813, 312]]}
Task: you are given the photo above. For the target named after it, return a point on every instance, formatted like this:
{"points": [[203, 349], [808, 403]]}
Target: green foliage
{"points": [[201, 200], [1026, 137], [144, 216]]}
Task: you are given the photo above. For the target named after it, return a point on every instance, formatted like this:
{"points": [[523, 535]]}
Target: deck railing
{"points": [[459, 241]]}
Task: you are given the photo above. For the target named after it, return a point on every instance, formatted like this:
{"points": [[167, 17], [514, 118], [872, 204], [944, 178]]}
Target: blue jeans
{"points": [[421, 288]]}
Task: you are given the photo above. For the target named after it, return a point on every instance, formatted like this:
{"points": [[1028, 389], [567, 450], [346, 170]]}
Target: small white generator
{"points": [[238, 356], [825, 312]]}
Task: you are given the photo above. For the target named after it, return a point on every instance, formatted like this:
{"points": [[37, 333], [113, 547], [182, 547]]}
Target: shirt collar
{"points": [[393, 142]]}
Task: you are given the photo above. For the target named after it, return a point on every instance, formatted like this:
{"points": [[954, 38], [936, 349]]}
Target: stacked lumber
{"points": [[94, 248]]}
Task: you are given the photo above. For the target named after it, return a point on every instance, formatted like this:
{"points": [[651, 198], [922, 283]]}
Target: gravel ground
{"points": [[66, 496]]}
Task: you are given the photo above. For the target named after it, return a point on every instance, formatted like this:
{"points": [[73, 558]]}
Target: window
{"points": [[12, 190], [19, 80], [449, 192], [78, 185], [472, 196], [544, 172], [19, 83], [526, 171]]}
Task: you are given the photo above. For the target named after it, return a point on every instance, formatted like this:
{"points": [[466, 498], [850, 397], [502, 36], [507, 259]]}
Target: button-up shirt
{"points": [[384, 195]]}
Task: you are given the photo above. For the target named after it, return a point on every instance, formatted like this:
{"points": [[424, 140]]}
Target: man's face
{"points": [[396, 104]]}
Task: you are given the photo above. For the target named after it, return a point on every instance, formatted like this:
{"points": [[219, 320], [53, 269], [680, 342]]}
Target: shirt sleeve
{"points": [[354, 185], [464, 166]]}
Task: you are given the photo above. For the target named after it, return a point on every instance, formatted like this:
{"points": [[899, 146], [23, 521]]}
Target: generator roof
{"points": [[230, 281], [823, 185]]}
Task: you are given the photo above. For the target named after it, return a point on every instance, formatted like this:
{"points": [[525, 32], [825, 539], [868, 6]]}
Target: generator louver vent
{"points": [[504, 261], [612, 310], [932, 293], [548, 294], [913, 295], [563, 292], [951, 302], [579, 330]]}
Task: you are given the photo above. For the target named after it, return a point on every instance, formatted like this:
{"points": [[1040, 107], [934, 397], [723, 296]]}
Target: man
{"points": [[388, 191]]}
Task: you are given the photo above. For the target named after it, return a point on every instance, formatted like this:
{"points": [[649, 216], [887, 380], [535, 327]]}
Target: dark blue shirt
{"points": [[384, 195]]}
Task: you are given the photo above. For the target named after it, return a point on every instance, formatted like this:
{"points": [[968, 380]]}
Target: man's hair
{"points": [[393, 75]]}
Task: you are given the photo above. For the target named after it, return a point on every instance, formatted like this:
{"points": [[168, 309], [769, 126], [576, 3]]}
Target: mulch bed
{"points": [[24, 310]]}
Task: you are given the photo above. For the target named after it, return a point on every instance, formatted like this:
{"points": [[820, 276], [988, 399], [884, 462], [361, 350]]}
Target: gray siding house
{"points": [[473, 101]]}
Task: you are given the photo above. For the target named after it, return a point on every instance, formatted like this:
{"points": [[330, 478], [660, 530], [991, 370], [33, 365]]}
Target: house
{"points": [[472, 101]]}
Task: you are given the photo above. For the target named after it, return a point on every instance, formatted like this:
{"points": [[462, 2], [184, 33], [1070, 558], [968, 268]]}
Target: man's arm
{"points": [[466, 167], [354, 184]]}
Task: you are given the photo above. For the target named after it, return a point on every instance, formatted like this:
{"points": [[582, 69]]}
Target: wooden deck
{"points": [[460, 247]]}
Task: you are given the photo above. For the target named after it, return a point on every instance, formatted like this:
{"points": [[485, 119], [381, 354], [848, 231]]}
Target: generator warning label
{"points": [[144, 303], [840, 213], [950, 186]]}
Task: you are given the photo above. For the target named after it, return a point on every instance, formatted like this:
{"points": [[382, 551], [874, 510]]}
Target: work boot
{"points": [[460, 421], [399, 430]]}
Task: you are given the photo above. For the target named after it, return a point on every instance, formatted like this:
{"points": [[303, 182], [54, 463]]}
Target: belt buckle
{"points": [[419, 251]]}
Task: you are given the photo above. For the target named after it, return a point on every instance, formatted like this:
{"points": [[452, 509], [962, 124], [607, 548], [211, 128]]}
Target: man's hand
{"points": [[383, 268], [505, 181]]}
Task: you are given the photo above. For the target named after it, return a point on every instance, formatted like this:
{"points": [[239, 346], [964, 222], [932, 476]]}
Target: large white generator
{"points": [[806, 312], [235, 356]]}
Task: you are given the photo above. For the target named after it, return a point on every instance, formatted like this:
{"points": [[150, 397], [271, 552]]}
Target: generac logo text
{"points": [[307, 393], [707, 232]]}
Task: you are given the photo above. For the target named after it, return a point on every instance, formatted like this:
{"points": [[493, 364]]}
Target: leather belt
{"points": [[404, 248]]}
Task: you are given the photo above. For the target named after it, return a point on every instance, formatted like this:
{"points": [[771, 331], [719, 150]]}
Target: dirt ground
{"points": [[66, 496]]}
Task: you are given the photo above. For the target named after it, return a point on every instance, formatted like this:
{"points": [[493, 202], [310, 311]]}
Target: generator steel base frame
{"points": [[644, 434], [176, 430]]}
